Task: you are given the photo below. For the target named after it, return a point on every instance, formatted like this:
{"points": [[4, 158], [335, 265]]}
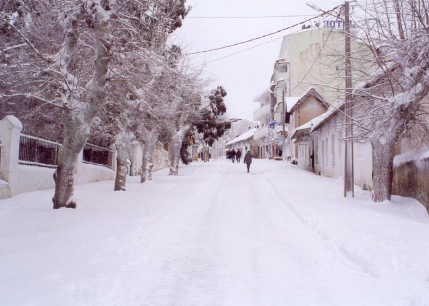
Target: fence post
{"points": [[10, 131], [112, 158]]}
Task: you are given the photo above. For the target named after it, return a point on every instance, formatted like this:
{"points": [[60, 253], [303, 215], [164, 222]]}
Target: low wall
{"points": [[411, 179], [16, 178], [159, 158]]}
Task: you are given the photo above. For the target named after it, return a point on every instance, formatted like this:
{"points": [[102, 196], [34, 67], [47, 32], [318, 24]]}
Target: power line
{"points": [[218, 59], [260, 37], [245, 17]]}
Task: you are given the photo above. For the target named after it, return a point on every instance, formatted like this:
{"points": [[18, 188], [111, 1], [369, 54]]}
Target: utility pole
{"points": [[348, 149]]}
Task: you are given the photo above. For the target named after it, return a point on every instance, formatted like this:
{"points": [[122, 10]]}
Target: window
{"points": [[333, 150]]}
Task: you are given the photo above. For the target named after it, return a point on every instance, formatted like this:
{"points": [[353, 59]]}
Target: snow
{"points": [[242, 137], [316, 122], [215, 235], [409, 156]]}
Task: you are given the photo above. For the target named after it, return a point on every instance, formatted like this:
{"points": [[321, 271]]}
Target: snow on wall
{"points": [[16, 178], [22, 178], [411, 178]]}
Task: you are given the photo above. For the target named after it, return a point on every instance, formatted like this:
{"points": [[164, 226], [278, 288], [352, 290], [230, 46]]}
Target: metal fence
{"points": [[97, 155], [35, 151]]}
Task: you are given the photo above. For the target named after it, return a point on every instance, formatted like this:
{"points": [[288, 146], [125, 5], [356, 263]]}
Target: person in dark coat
{"points": [[248, 160], [238, 155], [233, 155]]}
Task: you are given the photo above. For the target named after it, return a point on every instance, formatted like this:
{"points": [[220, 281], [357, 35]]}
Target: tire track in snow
{"points": [[336, 248]]}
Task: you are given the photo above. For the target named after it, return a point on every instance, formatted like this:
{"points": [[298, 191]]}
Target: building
{"points": [[244, 142], [238, 127], [302, 111], [265, 135], [309, 59]]}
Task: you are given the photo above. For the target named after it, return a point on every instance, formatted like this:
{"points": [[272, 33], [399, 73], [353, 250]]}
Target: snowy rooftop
{"points": [[242, 137], [318, 121], [290, 102]]}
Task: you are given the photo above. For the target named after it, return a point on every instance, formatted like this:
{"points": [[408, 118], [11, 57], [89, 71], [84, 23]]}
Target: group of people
{"points": [[236, 156]]}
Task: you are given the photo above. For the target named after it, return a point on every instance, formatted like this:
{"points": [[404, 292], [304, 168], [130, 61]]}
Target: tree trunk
{"points": [[174, 150], [76, 136], [121, 168], [79, 119], [147, 164], [383, 152]]}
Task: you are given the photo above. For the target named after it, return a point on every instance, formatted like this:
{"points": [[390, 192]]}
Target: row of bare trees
{"points": [[100, 69]]}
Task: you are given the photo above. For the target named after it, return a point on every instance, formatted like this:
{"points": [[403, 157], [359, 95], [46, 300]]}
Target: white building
{"points": [[238, 127], [265, 134]]}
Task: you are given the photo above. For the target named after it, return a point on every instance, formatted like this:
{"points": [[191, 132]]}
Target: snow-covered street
{"points": [[215, 235]]}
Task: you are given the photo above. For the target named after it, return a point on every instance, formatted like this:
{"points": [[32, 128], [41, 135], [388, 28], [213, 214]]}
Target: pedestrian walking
{"points": [[233, 155], [248, 160], [238, 155]]}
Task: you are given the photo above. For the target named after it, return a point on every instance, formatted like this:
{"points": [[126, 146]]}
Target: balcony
{"points": [[262, 112], [262, 132]]}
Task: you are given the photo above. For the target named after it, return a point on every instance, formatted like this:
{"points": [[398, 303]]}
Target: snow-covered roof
{"points": [[318, 121], [242, 137], [304, 129], [310, 91], [290, 102]]}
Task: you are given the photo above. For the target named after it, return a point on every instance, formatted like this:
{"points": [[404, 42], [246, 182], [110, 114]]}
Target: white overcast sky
{"points": [[246, 74]]}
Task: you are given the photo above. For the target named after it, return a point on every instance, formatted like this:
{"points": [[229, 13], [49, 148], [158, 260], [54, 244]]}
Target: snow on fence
{"points": [[34, 151], [97, 155], [28, 163]]}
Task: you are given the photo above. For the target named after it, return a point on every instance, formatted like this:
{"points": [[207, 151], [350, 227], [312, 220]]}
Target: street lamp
{"points": [[348, 148]]}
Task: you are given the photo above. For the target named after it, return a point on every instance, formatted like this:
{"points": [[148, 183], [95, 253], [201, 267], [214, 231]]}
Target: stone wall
{"points": [[411, 179]]}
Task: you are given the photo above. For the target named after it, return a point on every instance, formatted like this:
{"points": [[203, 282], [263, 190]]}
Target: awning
{"points": [[300, 132]]}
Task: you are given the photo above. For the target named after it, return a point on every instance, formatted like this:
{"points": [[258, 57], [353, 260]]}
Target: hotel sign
{"points": [[335, 24]]}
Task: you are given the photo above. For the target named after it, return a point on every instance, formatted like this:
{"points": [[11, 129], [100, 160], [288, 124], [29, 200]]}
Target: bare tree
{"points": [[390, 102], [184, 106], [67, 46]]}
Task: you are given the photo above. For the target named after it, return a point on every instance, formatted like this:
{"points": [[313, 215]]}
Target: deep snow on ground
{"points": [[215, 235]]}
